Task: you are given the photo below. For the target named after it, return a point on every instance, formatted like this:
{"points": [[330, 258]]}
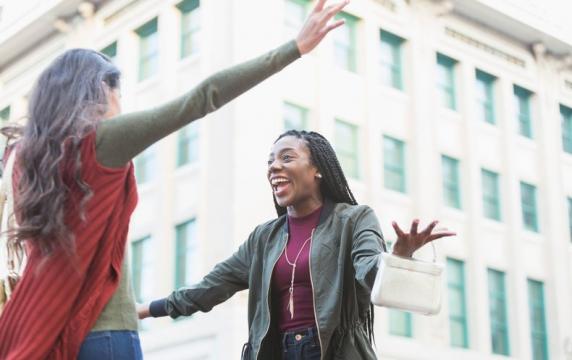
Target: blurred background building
{"points": [[453, 110]]}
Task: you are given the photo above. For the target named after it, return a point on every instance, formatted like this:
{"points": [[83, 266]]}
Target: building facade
{"points": [[459, 111]]}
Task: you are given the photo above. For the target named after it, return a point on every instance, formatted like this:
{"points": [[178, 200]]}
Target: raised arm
{"points": [[123, 137]]}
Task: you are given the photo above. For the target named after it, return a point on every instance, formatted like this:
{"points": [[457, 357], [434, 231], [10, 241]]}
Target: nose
{"points": [[274, 166]]}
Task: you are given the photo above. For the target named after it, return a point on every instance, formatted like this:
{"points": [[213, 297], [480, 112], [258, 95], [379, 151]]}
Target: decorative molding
{"points": [[108, 19], [487, 48], [388, 4]]}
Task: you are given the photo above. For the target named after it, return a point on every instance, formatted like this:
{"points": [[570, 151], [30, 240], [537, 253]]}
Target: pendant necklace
{"points": [[293, 264]]}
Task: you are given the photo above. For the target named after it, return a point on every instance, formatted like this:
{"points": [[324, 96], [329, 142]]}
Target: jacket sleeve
{"points": [[367, 245], [123, 137], [219, 285]]}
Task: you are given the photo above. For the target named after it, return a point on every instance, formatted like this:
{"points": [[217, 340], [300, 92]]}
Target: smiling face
{"points": [[293, 176]]}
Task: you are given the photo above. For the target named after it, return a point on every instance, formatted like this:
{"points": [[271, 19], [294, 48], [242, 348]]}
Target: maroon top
{"points": [[299, 229]]}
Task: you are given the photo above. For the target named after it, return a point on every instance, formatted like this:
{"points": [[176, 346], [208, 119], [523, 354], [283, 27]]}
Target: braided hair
{"points": [[333, 185]]}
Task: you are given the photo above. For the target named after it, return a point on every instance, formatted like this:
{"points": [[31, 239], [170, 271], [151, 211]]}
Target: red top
{"points": [[299, 229], [58, 301]]}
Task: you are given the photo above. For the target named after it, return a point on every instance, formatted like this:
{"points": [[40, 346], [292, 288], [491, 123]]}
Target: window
{"points": [[458, 328], [391, 64], [570, 217], [295, 117], [294, 16], [538, 333], [394, 164], [186, 257], [491, 195], [111, 51], [345, 43], [522, 107], [566, 114], [188, 144], [190, 27], [141, 261], [498, 313], [144, 164], [446, 81], [400, 323], [148, 49], [485, 97], [451, 182], [346, 147], [528, 202], [5, 114]]}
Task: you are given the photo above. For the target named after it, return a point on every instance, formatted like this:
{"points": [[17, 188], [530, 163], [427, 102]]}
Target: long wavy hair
{"points": [[68, 100]]}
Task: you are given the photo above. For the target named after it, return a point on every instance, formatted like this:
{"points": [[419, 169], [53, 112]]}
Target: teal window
{"points": [[295, 12], [498, 313], [390, 46], [148, 49], [400, 323], [491, 195], [186, 257], [394, 164], [188, 144], [458, 327], [110, 51], [144, 164], [346, 140], [528, 203], [5, 114], [142, 270], [446, 81], [345, 43], [485, 97], [566, 114], [295, 117], [451, 182], [190, 27], [538, 333], [522, 106], [570, 217]]}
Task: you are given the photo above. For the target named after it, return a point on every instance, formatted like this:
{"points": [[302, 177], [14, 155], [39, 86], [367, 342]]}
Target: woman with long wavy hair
{"points": [[75, 192]]}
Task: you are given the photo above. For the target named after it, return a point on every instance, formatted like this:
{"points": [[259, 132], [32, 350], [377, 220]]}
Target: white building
{"points": [[453, 110]]}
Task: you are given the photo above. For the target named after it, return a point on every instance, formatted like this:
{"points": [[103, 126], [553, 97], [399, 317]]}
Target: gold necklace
{"points": [[293, 264]]}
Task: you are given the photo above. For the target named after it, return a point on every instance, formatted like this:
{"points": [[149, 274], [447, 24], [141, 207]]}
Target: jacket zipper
{"points": [[268, 298], [314, 298]]}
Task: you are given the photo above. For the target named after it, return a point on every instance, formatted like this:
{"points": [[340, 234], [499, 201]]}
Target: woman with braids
{"points": [[309, 271], [75, 193]]}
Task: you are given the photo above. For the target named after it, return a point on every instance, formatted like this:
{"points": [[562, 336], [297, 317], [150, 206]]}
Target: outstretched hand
{"points": [[408, 243], [318, 24]]}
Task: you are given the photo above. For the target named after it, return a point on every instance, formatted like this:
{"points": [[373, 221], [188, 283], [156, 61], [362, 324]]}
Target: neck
{"points": [[305, 208]]}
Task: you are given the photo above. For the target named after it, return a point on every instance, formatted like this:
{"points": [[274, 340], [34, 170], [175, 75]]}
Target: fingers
{"points": [[320, 5], [427, 231], [441, 235], [398, 230], [414, 226], [334, 25]]}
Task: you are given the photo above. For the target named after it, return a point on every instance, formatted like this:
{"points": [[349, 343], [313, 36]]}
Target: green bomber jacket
{"points": [[344, 257]]}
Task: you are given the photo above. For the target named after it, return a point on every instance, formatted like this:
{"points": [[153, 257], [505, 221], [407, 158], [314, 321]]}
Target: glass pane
{"points": [[295, 117], [400, 323], [190, 27]]}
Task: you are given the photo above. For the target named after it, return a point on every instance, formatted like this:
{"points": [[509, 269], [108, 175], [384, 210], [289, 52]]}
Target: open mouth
{"points": [[279, 185]]}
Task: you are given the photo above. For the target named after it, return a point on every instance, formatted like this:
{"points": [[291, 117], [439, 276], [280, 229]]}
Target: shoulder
{"points": [[343, 210], [264, 230]]}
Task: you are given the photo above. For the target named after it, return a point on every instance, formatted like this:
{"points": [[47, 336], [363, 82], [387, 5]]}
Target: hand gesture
{"points": [[408, 243], [317, 25], [143, 311]]}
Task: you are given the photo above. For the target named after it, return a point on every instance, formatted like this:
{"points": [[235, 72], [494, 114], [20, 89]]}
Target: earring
{"points": [[319, 176]]}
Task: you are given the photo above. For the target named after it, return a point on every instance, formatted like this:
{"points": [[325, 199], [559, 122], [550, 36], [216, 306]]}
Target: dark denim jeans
{"points": [[301, 344], [115, 345]]}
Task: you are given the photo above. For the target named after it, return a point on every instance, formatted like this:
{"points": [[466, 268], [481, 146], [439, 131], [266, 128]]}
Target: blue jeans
{"points": [[301, 344], [113, 345]]}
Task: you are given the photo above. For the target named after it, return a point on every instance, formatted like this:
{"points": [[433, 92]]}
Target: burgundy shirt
{"points": [[299, 230]]}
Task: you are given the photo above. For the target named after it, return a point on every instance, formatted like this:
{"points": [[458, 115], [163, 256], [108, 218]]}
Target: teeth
{"points": [[278, 181]]}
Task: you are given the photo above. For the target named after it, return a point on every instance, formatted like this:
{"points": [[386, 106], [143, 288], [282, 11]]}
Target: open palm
{"points": [[408, 243]]}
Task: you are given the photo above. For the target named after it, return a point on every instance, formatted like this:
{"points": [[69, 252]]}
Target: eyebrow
{"points": [[282, 150]]}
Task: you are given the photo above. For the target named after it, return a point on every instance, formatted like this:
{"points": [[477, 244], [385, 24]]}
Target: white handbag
{"points": [[408, 284]]}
